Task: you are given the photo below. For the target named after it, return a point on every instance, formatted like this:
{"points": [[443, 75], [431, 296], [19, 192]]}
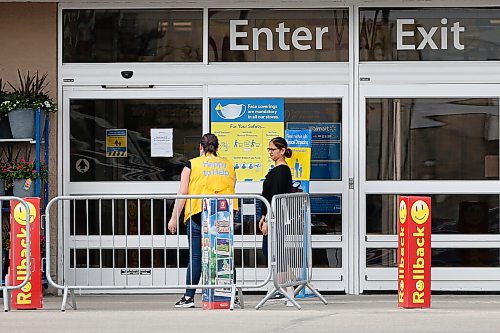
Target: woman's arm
{"points": [[179, 203]]}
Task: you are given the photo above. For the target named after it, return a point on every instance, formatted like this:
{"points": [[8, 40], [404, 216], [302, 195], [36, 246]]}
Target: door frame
{"points": [[470, 278], [324, 278]]}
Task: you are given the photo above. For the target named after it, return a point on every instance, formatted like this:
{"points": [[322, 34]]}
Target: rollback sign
{"points": [[414, 252], [30, 296]]}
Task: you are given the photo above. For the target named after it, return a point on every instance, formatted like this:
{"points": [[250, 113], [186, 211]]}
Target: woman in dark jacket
{"points": [[278, 181]]}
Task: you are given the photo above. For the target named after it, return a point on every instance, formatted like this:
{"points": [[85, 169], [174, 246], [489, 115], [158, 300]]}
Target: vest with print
{"points": [[209, 175]]}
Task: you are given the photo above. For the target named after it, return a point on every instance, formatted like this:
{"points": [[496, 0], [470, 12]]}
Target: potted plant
{"points": [[21, 102], [21, 174]]}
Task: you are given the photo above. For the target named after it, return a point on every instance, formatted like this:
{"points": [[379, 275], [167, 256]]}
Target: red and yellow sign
{"points": [[414, 252], [30, 296]]}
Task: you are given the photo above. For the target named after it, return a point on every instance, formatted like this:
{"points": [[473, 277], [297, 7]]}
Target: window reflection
{"points": [[481, 35], [326, 214], [324, 118], [91, 118], [132, 35], [327, 258], [441, 257], [425, 139], [451, 214]]}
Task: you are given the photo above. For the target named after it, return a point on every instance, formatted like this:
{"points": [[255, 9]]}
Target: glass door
{"points": [[107, 150], [440, 141], [323, 109]]}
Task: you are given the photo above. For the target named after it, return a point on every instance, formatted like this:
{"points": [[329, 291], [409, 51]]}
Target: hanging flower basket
{"points": [[20, 105], [22, 123], [21, 175], [23, 188]]}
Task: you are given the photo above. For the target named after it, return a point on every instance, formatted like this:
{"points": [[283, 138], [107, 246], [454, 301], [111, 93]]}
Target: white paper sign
{"points": [[161, 142]]}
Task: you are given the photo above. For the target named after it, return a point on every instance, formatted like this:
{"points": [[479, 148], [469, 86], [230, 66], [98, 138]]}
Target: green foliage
{"points": [[29, 93], [22, 169]]}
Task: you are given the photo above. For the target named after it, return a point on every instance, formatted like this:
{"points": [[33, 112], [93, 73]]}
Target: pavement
{"points": [[344, 313]]}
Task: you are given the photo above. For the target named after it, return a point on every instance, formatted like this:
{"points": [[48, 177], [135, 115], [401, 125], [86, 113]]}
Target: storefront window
{"points": [[137, 35], [432, 139], [429, 34], [467, 214], [245, 140], [324, 118], [278, 35], [326, 214], [327, 258], [92, 158]]}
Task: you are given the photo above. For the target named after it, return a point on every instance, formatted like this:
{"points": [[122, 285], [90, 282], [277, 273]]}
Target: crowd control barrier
{"points": [[120, 243], [291, 251], [8, 289]]}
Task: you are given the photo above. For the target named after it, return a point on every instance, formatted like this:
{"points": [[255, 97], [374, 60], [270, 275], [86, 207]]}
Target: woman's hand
{"points": [[263, 225], [172, 226]]}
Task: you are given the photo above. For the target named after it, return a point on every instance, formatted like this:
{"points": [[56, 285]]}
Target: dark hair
{"points": [[281, 143], [209, 143]]}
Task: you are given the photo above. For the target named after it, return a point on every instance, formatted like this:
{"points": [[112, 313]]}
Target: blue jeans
{"points": [[193, 273], [194, 260], [264, 248]]}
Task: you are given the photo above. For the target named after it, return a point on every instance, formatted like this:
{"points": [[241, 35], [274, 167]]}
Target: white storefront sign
{"points": [[301, 37], [427, 36]]}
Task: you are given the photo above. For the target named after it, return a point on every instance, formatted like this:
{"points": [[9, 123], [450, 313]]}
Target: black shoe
{"points": [[236, 304], [278, 296], [185, 302]]}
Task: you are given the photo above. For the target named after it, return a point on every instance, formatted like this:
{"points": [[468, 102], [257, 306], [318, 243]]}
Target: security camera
{"points": [[127, 74]]}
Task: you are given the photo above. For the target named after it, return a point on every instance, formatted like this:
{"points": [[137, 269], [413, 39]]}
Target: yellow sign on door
{"points": [[116, 143]]}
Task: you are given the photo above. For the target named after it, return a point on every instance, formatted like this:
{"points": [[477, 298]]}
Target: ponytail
{"points": [[281, 143], [210, 143]]}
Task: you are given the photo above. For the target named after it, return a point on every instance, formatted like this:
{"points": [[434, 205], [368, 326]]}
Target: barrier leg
{"points": [[284, 293], [65, 299], [233, 296], [308, 285], [240, 296], [266, 298], [6, 299], [73, 299], [298, 290]]}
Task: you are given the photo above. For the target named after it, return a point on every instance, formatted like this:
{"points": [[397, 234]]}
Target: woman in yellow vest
{"points": [[206, 174]]}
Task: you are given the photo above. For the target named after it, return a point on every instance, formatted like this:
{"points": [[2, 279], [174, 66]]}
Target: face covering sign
{"points": [[244, 128]]}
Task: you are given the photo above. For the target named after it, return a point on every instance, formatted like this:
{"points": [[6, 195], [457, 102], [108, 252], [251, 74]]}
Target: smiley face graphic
{"points": [[402, 212], [419, 285], [20, 213], [420, 211]]}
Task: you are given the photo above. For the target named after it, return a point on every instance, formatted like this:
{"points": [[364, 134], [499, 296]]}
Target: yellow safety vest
{"points": [[209, 175]]}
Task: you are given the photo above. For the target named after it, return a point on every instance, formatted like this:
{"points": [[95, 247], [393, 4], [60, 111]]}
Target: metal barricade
{"points": [[119, 243], [7, 290], [291, 250]]}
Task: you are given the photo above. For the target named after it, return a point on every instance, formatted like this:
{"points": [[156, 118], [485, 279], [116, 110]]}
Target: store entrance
{"points": [[91, 165]]}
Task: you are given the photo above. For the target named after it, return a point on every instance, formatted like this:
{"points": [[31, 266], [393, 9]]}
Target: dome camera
{"points": [[127, 74]]}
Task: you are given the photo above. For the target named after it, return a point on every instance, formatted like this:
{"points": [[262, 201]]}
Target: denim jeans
{"points": [[194, 260], [264, 248], [193, 273]]}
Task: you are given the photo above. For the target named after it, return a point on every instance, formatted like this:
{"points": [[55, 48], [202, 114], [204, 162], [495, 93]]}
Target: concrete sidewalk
{"points": [[372, 313]]}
